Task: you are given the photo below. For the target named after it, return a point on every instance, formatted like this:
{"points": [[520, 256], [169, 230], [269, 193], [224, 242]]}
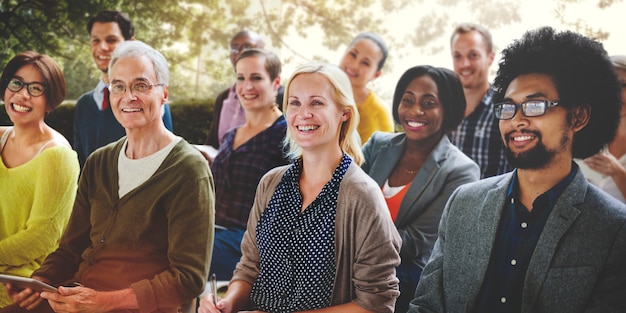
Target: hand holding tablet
{"points": [[24, 282]]}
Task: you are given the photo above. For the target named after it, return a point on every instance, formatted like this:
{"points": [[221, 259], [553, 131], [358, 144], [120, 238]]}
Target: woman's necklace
{"points": [[410, 171]]}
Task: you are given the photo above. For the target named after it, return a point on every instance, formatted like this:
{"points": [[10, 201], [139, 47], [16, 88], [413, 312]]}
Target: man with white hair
{"points": [[141, 231]]}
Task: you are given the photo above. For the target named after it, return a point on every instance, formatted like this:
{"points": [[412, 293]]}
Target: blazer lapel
{"points": [[490, 212], [422, 181], [561, 218], [387, 158]]}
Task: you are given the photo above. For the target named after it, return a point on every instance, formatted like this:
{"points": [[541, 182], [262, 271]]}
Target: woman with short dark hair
{"points": [[419, 168], [38, 168]]}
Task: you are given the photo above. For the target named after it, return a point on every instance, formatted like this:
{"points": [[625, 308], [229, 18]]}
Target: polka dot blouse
{"points": [[297, 250]]}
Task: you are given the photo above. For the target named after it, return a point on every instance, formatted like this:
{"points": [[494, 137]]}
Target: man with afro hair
{"points": [[541, 238]]}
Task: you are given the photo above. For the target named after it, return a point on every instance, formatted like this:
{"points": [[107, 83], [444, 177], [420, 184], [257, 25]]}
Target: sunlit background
{"points": [[581, 16], [194, 34]]}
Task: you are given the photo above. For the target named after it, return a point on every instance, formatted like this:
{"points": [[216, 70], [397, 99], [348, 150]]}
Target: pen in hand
{"points": [[214, 288]]}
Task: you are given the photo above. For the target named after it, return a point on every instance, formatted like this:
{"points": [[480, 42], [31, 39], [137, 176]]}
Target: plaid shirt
{"points": [[238, 172], [478, 136], [516, 240]]}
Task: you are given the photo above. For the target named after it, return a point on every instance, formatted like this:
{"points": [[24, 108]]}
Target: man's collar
{"points": [[553, 193]]}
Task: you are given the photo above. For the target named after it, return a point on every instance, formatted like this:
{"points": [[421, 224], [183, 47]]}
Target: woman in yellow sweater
{"points": [[38, 168], [363, 62]]}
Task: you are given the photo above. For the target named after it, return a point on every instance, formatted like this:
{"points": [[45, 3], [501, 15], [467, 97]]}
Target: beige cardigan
{"points": [[367, 244]]}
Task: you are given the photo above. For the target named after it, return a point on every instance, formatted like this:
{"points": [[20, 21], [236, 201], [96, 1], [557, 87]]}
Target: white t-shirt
{"points": [[134, 172]]}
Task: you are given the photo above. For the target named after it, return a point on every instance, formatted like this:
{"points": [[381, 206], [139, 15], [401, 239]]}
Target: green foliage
{"points": [[62, 119], [191, 118], [580, 25], [4, 118]]}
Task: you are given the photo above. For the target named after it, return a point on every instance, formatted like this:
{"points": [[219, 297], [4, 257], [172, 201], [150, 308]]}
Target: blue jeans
{"points": [[226, 252], [409, 275]]}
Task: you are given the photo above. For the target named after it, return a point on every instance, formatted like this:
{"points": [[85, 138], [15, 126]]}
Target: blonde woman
{"points": [[319, 234]]}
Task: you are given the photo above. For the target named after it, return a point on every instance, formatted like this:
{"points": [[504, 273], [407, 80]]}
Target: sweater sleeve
{"points": [[54, 192], [62, 264], [375, 243]]}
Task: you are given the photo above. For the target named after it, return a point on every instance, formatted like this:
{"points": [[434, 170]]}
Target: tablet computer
{"points": [[24, 282]]}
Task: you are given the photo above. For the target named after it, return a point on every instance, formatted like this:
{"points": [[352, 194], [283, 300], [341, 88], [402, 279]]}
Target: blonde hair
{"points": [[349, 140]]}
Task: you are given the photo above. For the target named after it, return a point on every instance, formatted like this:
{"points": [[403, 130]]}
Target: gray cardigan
{"points": [[366, 242], [579, 264]]}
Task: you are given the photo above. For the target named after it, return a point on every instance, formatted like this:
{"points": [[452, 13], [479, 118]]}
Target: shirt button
{"points": [[513, 262], [524, 225], [503, 300]]}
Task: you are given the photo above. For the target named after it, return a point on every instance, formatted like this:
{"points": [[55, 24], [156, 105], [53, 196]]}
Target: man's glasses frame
{"points": [[135, 88], [236, 49], [35, 89], [530, 108]]}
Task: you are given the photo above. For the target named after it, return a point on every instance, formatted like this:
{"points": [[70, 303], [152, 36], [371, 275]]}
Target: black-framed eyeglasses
{"points": [[34, 89], [135, 88], [531, 108], [236, 49]]}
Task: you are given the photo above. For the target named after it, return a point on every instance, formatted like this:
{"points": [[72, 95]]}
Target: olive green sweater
{"points": [[157, 239]]}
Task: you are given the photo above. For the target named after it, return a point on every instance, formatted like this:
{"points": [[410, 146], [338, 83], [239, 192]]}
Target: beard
{"points": [[536, 158]]}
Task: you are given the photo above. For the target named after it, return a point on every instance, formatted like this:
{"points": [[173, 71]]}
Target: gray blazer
{"points": [[420, 211], [579, 264]]}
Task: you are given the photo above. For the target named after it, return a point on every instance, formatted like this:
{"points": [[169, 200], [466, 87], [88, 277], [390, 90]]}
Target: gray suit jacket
{"points": [[420, 211], [579, 264]]}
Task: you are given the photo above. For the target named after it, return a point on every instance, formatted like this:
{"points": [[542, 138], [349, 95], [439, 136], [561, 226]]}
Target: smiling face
{"points": [[241, 43], [471, 59], [255, 88], [136, 110], [360, 62], [313, 114], [21, 106], [540, 141], [420, 111], [104, 38]]}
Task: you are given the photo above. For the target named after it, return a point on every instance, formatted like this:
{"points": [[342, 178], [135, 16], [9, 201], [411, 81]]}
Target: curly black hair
{"points": [[450, 93], [582, 73]]}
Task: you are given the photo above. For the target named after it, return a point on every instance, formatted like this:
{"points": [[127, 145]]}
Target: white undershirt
{"points": [[134, 172], [390, 192]]}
